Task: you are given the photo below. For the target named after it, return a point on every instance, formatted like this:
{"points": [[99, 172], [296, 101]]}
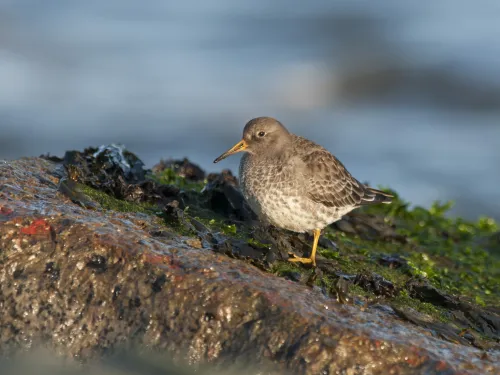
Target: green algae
{"points": [[169, 177], [445, 250], [360, 292], [286, 268], [108, 202], [218, 224], [230, 229], [257, 244], [403, 300]]}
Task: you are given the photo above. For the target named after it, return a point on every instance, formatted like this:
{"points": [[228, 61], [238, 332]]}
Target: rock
{"points": [[377, 284], [115, 171], [86, 282], [223, 196], [392, 261], [183, 168], [225, 176], [484, 321], [368, 227]]}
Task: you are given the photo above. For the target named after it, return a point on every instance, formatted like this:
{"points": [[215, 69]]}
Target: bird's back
{"points": [[329, 180]]}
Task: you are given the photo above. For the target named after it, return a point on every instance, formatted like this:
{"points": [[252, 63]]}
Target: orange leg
{"points": [[312, 258]]}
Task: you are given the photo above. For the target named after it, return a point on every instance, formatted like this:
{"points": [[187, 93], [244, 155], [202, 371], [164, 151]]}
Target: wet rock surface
{"points": [[85, 279]]}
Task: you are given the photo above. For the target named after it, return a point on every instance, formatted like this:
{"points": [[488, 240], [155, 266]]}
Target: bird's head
{"points": [[261, 135]]}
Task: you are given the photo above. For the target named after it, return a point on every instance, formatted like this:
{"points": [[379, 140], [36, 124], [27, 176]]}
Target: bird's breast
{"points": [[279, 197]]}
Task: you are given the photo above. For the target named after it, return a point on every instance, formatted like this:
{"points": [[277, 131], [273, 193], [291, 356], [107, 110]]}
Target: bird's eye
{"points": [[261, 134]]}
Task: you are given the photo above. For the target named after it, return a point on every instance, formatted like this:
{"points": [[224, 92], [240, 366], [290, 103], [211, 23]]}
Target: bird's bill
{"points": [[238, 147]]}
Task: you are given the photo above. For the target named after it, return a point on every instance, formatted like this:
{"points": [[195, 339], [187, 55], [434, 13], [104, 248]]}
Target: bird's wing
{"points": [[328, 182]]}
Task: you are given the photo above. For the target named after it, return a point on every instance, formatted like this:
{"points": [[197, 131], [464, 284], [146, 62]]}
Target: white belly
{"points": [[291, 212]]}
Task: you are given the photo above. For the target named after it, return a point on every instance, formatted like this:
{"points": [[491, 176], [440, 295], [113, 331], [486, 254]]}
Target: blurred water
{"points": [[405, 94]]}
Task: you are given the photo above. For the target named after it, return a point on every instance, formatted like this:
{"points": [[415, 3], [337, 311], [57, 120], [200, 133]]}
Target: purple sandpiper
{"points": [[295, 184]]}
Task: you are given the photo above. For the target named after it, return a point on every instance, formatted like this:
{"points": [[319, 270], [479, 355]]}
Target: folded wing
{"points": [[328, 182]]}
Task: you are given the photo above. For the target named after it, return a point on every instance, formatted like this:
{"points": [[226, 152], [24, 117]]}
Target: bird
{"points": [[295, 184]]}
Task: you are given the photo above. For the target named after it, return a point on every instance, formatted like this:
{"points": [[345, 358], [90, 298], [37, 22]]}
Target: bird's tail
{"points": [[374, 196]]}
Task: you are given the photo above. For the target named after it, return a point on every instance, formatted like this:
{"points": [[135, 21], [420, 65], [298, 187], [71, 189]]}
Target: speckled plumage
{"points": [[293, 183], [284, 191]]}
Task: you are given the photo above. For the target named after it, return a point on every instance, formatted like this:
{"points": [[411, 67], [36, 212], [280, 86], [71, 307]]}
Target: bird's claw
{"points": [[303, 260]]}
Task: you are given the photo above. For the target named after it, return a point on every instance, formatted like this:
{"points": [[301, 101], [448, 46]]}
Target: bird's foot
{"points": [[303, 260]]}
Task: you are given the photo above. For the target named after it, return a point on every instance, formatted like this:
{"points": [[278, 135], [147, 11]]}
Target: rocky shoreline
{"points": [[99, 255]]}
